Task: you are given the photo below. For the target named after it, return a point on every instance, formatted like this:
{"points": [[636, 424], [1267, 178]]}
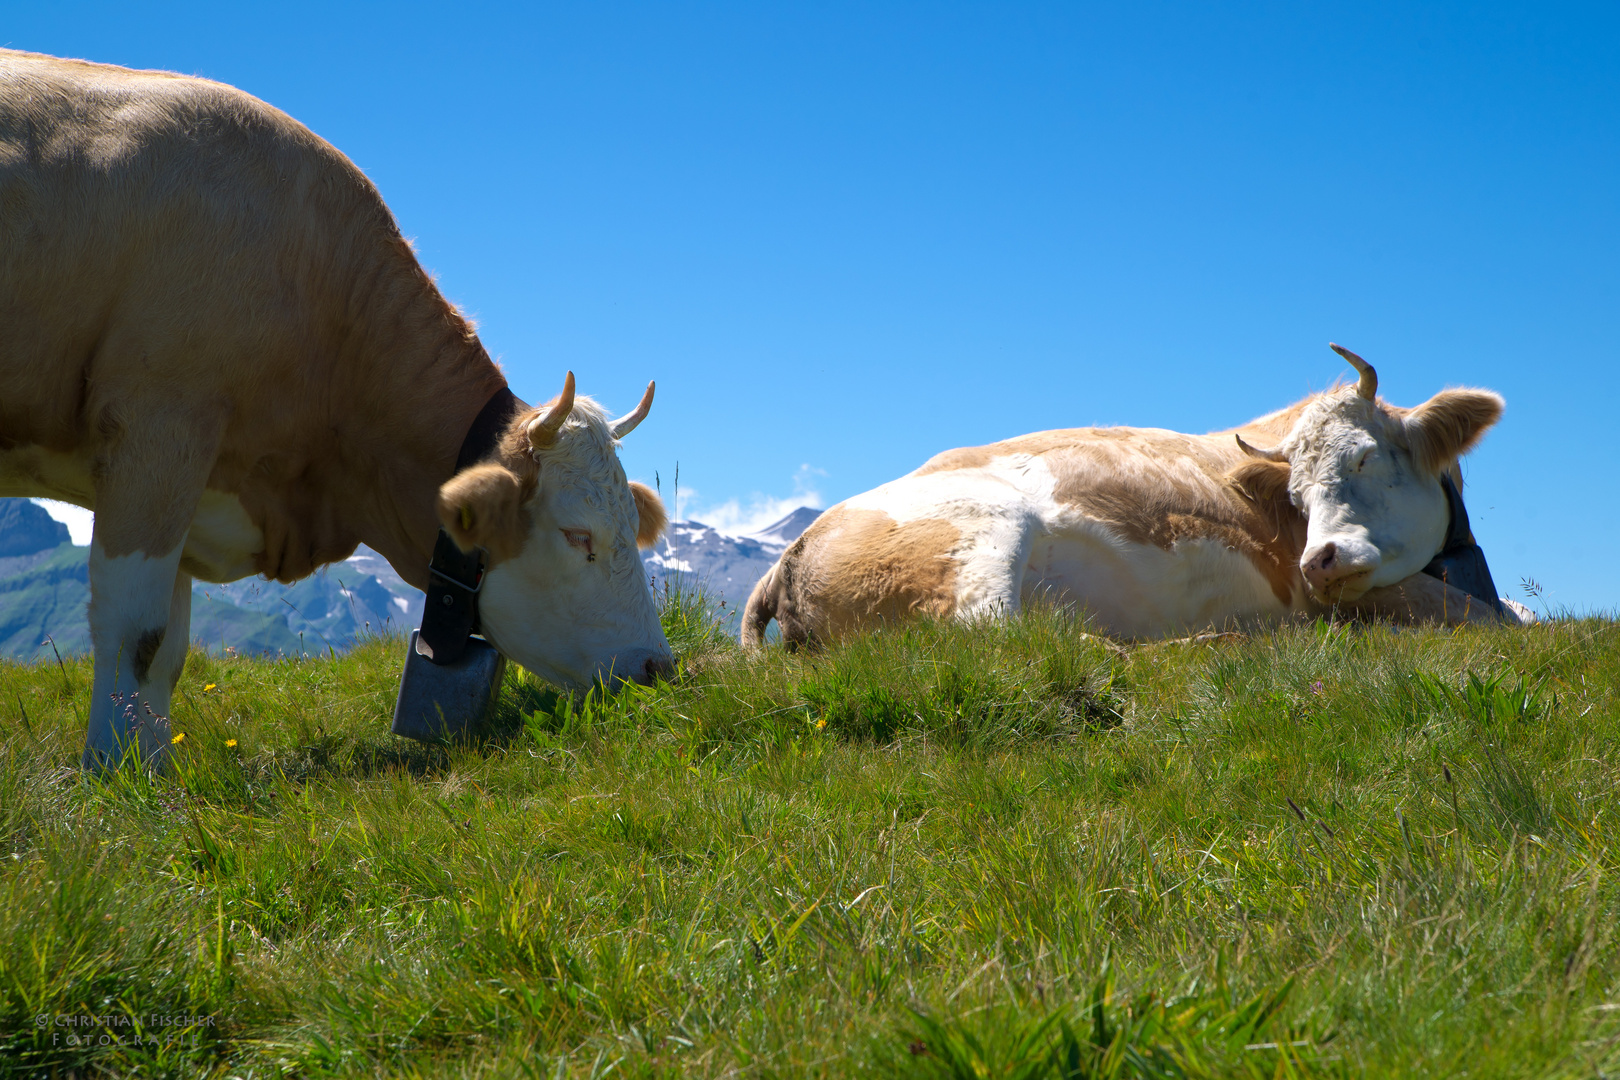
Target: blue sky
{"points": [[845, 237]]}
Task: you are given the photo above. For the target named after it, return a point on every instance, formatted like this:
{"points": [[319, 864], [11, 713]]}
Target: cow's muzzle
{"points": [[644, 667], [1334, 574]]}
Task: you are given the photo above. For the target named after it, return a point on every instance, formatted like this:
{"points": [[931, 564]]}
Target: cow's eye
{"points": [[580, 538]]}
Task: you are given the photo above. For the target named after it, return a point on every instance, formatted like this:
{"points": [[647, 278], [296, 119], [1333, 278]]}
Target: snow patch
{"points": [[79, 521], [738, 517]]}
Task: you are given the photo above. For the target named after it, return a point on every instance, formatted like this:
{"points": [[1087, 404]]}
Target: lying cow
{"points": [[1337, 500], [213, 335]]}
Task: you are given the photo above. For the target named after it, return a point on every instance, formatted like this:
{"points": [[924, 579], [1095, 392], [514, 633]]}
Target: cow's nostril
{"points": [[1329, 571], [655, 669]]}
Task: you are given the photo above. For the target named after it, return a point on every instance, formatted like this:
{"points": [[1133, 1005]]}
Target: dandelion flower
{"points": [[209, 687], [230, 742], [178, 739], [821, 723]]}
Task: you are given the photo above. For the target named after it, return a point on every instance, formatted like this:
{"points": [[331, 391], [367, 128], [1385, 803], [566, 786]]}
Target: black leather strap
{"points": [[1461, 562], [488, 427], [1459, 533], [450, 615]]}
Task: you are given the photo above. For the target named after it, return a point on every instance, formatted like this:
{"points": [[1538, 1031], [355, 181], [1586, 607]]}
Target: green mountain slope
{"points": [[46, 600], [26, 528], [218, 625], [45, 595], [45, 587]]}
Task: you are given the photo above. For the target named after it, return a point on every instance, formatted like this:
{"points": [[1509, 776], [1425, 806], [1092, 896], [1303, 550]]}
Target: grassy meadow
{"points": [[1009, 850]]}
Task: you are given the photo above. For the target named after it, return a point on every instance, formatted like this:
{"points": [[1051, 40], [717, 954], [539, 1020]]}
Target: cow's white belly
{"points": [[33, 472], [220, 545], [1142, 591], [223, 539]]}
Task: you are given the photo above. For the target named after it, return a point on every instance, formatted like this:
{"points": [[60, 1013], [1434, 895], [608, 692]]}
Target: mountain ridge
{"points": [[45, 587]]}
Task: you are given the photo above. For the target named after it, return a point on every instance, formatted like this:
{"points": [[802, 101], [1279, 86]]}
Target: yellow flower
{"points": [[230, 742], [821, 723], [178, 738], [209, 687]]}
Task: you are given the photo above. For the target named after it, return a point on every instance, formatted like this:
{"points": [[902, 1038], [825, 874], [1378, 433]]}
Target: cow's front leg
{"points": [[150, 477], [140, 620]]}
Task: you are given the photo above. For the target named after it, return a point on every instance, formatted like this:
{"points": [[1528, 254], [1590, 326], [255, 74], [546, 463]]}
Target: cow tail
{"points": [[761, 609]]}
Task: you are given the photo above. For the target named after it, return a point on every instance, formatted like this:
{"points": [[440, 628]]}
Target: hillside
{"points": [[44, 585], [939, 851], [45, 599], [44, 590], [25, 529]]}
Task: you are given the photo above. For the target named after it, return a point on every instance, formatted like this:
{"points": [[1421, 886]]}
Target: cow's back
{"points": [[160, 230], [1150, 530]]}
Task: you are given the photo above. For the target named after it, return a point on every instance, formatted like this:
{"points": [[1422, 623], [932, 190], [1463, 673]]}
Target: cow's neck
{"points": [[425, 377], [1276, 515], [1275, 527]]}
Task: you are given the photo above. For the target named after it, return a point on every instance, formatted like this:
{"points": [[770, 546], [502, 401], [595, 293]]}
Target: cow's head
{"points": [[1366, 477], [564, 594]]}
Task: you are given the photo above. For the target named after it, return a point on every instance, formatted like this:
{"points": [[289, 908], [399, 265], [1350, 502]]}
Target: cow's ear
{"points": [[1449, 425], [482, 507], [1265, 483], [650, 514]]}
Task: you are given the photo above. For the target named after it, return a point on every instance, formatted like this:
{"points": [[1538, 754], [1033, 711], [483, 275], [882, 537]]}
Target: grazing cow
{"points": [[213, 335], [1336, 500]]}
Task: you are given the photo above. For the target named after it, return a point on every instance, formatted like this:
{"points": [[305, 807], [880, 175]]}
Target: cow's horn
{"points": [[624, 425], [1255, 451], [1369, 377], [543, 429]]}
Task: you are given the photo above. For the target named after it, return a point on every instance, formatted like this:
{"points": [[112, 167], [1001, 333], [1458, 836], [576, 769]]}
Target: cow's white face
{"points": [[565, 594], [1372, 516], [1366, 476]]}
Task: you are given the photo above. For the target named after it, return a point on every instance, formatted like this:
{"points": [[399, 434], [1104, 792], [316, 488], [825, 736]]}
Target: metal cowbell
{"points": [[439, 702]]}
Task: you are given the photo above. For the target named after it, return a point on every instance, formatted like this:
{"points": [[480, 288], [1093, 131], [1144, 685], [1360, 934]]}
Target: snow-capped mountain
{"points": [[724, 565], [44, 586], [691, 554], [406, 599], [789, 529]]}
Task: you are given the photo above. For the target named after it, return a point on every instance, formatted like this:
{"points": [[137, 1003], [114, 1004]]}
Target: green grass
{"points": [[946, 851]]}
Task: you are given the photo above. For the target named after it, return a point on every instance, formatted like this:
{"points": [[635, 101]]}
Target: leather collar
{"points": [[1461, 562], [1458, 534], [484, 436], [450, 615]]}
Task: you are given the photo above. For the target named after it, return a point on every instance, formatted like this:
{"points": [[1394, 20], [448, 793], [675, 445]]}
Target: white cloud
{"points": [[76, 518], [739, 516]]}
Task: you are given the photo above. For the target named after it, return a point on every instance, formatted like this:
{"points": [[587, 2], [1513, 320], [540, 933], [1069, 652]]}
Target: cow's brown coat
{"points": [[1159, 487], [887, 572], [300, 301]]}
